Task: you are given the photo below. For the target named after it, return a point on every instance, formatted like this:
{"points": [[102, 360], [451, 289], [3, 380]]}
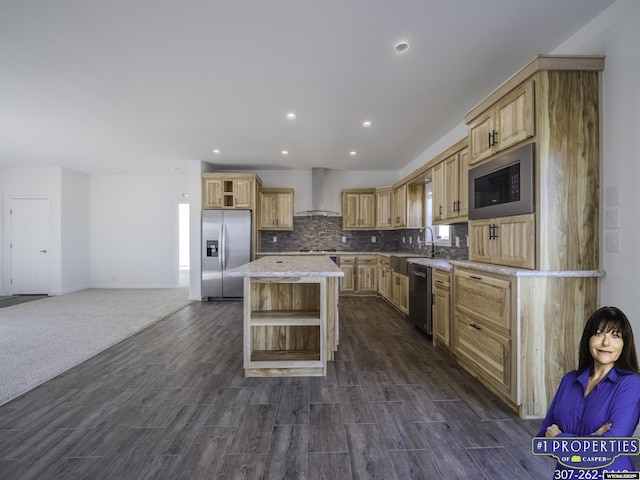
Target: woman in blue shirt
{"points": [[601, 397]]}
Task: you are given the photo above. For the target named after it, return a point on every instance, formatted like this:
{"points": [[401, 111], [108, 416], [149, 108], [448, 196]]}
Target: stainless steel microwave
{"points": [[504, 185]]}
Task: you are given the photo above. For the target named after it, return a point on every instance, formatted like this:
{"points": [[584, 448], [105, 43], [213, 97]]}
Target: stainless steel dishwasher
{"points": [[420, 298]]}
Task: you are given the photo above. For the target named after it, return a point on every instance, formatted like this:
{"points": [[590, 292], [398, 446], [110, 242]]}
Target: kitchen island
{"points": [[290, 320]]}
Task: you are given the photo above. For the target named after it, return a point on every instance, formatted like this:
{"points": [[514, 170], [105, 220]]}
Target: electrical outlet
{"points": [[402, 239], [612, 218], [613, 242], [613, 195], [373, 239], [275, 239], [410, 239], [457, 241], [344, 239]]}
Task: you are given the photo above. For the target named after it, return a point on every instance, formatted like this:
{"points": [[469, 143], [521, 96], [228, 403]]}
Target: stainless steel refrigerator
{"points": [[226, 244]]}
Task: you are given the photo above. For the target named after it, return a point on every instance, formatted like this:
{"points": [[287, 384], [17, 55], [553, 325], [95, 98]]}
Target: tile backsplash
{"points": [[325, 233]]}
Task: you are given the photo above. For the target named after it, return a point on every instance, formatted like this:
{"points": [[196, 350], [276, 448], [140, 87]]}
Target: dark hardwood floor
{"points": [[171, 403]]}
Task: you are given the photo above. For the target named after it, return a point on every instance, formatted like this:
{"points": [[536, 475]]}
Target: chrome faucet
{"points": [[433, 241]]}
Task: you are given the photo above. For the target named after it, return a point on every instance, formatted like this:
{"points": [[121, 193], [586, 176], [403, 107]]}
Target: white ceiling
{"points": [[143, 86]]}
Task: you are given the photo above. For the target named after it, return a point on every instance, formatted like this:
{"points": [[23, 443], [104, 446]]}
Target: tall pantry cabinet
{"points": [[553, 102]]}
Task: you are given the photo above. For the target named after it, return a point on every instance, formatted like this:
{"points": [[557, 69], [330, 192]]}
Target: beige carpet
{"points": [[41, 339]]}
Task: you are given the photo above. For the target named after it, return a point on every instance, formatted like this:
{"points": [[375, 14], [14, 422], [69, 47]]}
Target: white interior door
{"points": [[30, 234]]}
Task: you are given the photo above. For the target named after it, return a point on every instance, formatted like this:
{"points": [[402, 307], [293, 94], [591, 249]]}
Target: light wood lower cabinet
{"points": [[400, 291], [442, 328], [367, 274], [384, 277], [519, 335], [360, 274], [483, 323]]}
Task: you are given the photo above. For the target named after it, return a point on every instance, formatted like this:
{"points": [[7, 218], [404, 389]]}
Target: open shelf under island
{"points": [[290, 315]]}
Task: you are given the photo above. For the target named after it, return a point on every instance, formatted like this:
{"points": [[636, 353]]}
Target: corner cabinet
{"points": [[276, 209], [359, 209], [229, 190]]}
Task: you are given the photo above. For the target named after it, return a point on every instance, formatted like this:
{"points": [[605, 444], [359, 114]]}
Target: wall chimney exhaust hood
{"points": [[317, 196]]}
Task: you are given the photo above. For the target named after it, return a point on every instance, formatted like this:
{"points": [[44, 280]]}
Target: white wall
{"points": [[616, 34], [74, 233], [134, 230]]}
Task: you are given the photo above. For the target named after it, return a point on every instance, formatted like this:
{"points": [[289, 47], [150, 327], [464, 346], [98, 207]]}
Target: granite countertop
{"points": [[522, 272], [439, 263], [448, 264], [288, 266]]}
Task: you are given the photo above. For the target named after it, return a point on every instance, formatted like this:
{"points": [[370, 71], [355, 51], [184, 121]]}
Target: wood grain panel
{"points": [[569, 170], [552, 316]]}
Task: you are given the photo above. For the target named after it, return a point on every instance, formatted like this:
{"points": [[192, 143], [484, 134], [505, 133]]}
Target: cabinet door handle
{"points": [[475, 278], [493, 138], [475, 326], [440, 282]]}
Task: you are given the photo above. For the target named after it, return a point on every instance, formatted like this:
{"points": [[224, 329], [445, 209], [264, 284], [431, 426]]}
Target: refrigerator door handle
{"points": [[223, 247]]}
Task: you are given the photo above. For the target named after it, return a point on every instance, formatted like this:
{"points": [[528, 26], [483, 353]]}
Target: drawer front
{"points": [[441, 279], [384, 261], [346, 260], [483, 296], [367, 260], [486, 350]]}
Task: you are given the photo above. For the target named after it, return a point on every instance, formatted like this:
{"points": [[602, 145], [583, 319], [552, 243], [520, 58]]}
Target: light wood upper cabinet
{"points": [[509, 121], [438, 192], [276, 209], [212, 192], [399, 206], [229, 190], [242, 193], [358, 209], [504, 241], [407, 206], [383, 208], [450, 188]]}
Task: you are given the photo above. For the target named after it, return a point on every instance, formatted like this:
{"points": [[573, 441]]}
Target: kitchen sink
{"points": [[399, 262]]}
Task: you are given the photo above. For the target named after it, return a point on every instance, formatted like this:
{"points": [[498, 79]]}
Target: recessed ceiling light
{"points": [[366, 124], [402, 47], [291, 116], [216, 151], [284, 152], [352, 152]]}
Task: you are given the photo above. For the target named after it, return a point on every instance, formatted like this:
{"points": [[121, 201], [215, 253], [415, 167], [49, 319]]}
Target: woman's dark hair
{"points": [[609, 319]]}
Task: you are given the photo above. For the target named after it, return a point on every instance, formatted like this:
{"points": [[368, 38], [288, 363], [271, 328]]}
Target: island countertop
{"points": [[288, 266]]}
